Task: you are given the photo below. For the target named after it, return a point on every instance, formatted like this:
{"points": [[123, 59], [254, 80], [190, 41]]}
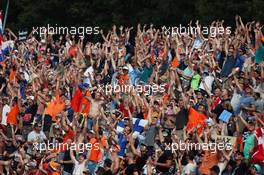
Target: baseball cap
{"points": [[256, 167], [91, 131], [215, 169], [125, 68]]}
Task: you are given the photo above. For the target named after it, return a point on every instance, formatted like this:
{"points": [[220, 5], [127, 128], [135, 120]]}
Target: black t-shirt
{"points": [[55, 50], [47, 122], [164, 67], [131, 168], [181, 119], [107, 172], [167, 155], [29, 115], [70, 114], [141, 161], [67, 167], [241, 169], [219, 108], [10, 148]]}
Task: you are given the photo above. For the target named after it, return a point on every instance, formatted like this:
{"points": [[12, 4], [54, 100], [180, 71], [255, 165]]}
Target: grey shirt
{"points": [[150, 135]]}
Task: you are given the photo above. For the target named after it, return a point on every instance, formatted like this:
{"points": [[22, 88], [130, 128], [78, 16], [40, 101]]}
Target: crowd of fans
{"points": [[53, 91]]}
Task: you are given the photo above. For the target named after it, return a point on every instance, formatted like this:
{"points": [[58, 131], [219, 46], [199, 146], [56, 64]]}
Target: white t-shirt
{"points": [[89, 74], [222, 166], [5, 110], [78, 168], [208, 81], [189, 169], [235, 100]]}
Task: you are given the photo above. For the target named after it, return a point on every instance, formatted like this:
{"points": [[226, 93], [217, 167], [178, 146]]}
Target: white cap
{"points": [[31, 97], [125, 67]]}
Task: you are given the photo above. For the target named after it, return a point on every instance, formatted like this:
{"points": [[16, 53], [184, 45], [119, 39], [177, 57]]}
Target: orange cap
{"points": [[262, 39]]}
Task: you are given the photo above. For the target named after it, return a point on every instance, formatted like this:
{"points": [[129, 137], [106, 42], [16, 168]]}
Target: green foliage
{"points": [[105, 13]]}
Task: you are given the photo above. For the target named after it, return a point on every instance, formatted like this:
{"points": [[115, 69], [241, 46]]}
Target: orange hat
{"points": [[54, 165]]}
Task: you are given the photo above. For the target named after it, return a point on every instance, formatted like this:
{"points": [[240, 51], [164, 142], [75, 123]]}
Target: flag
{"points": [[258, 156], [196, 119], [138, 126], [120, 126], [5, 46], [76, 100], [54, 107]]}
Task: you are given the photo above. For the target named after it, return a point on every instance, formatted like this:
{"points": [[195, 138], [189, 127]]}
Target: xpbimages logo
{"points": [[63, 30], [50, 146], [211, 146], [194, 30], [145, 89]]}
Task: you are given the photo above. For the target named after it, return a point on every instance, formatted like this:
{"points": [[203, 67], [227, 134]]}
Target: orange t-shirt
{"points": [[153, 59], [95, 154], [175, 63], [123, 79], [12, 115], [12, 75], [86, 103], [166, 98], [209, 160]]}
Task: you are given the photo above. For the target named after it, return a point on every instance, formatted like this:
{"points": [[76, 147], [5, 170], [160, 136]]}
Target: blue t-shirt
{"points": [[240, 60], [122, 142]]}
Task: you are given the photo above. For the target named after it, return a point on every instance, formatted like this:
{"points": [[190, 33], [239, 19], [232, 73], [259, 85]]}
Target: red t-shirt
{"points": [[124, 111], [69, 135], [216, 101]]}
